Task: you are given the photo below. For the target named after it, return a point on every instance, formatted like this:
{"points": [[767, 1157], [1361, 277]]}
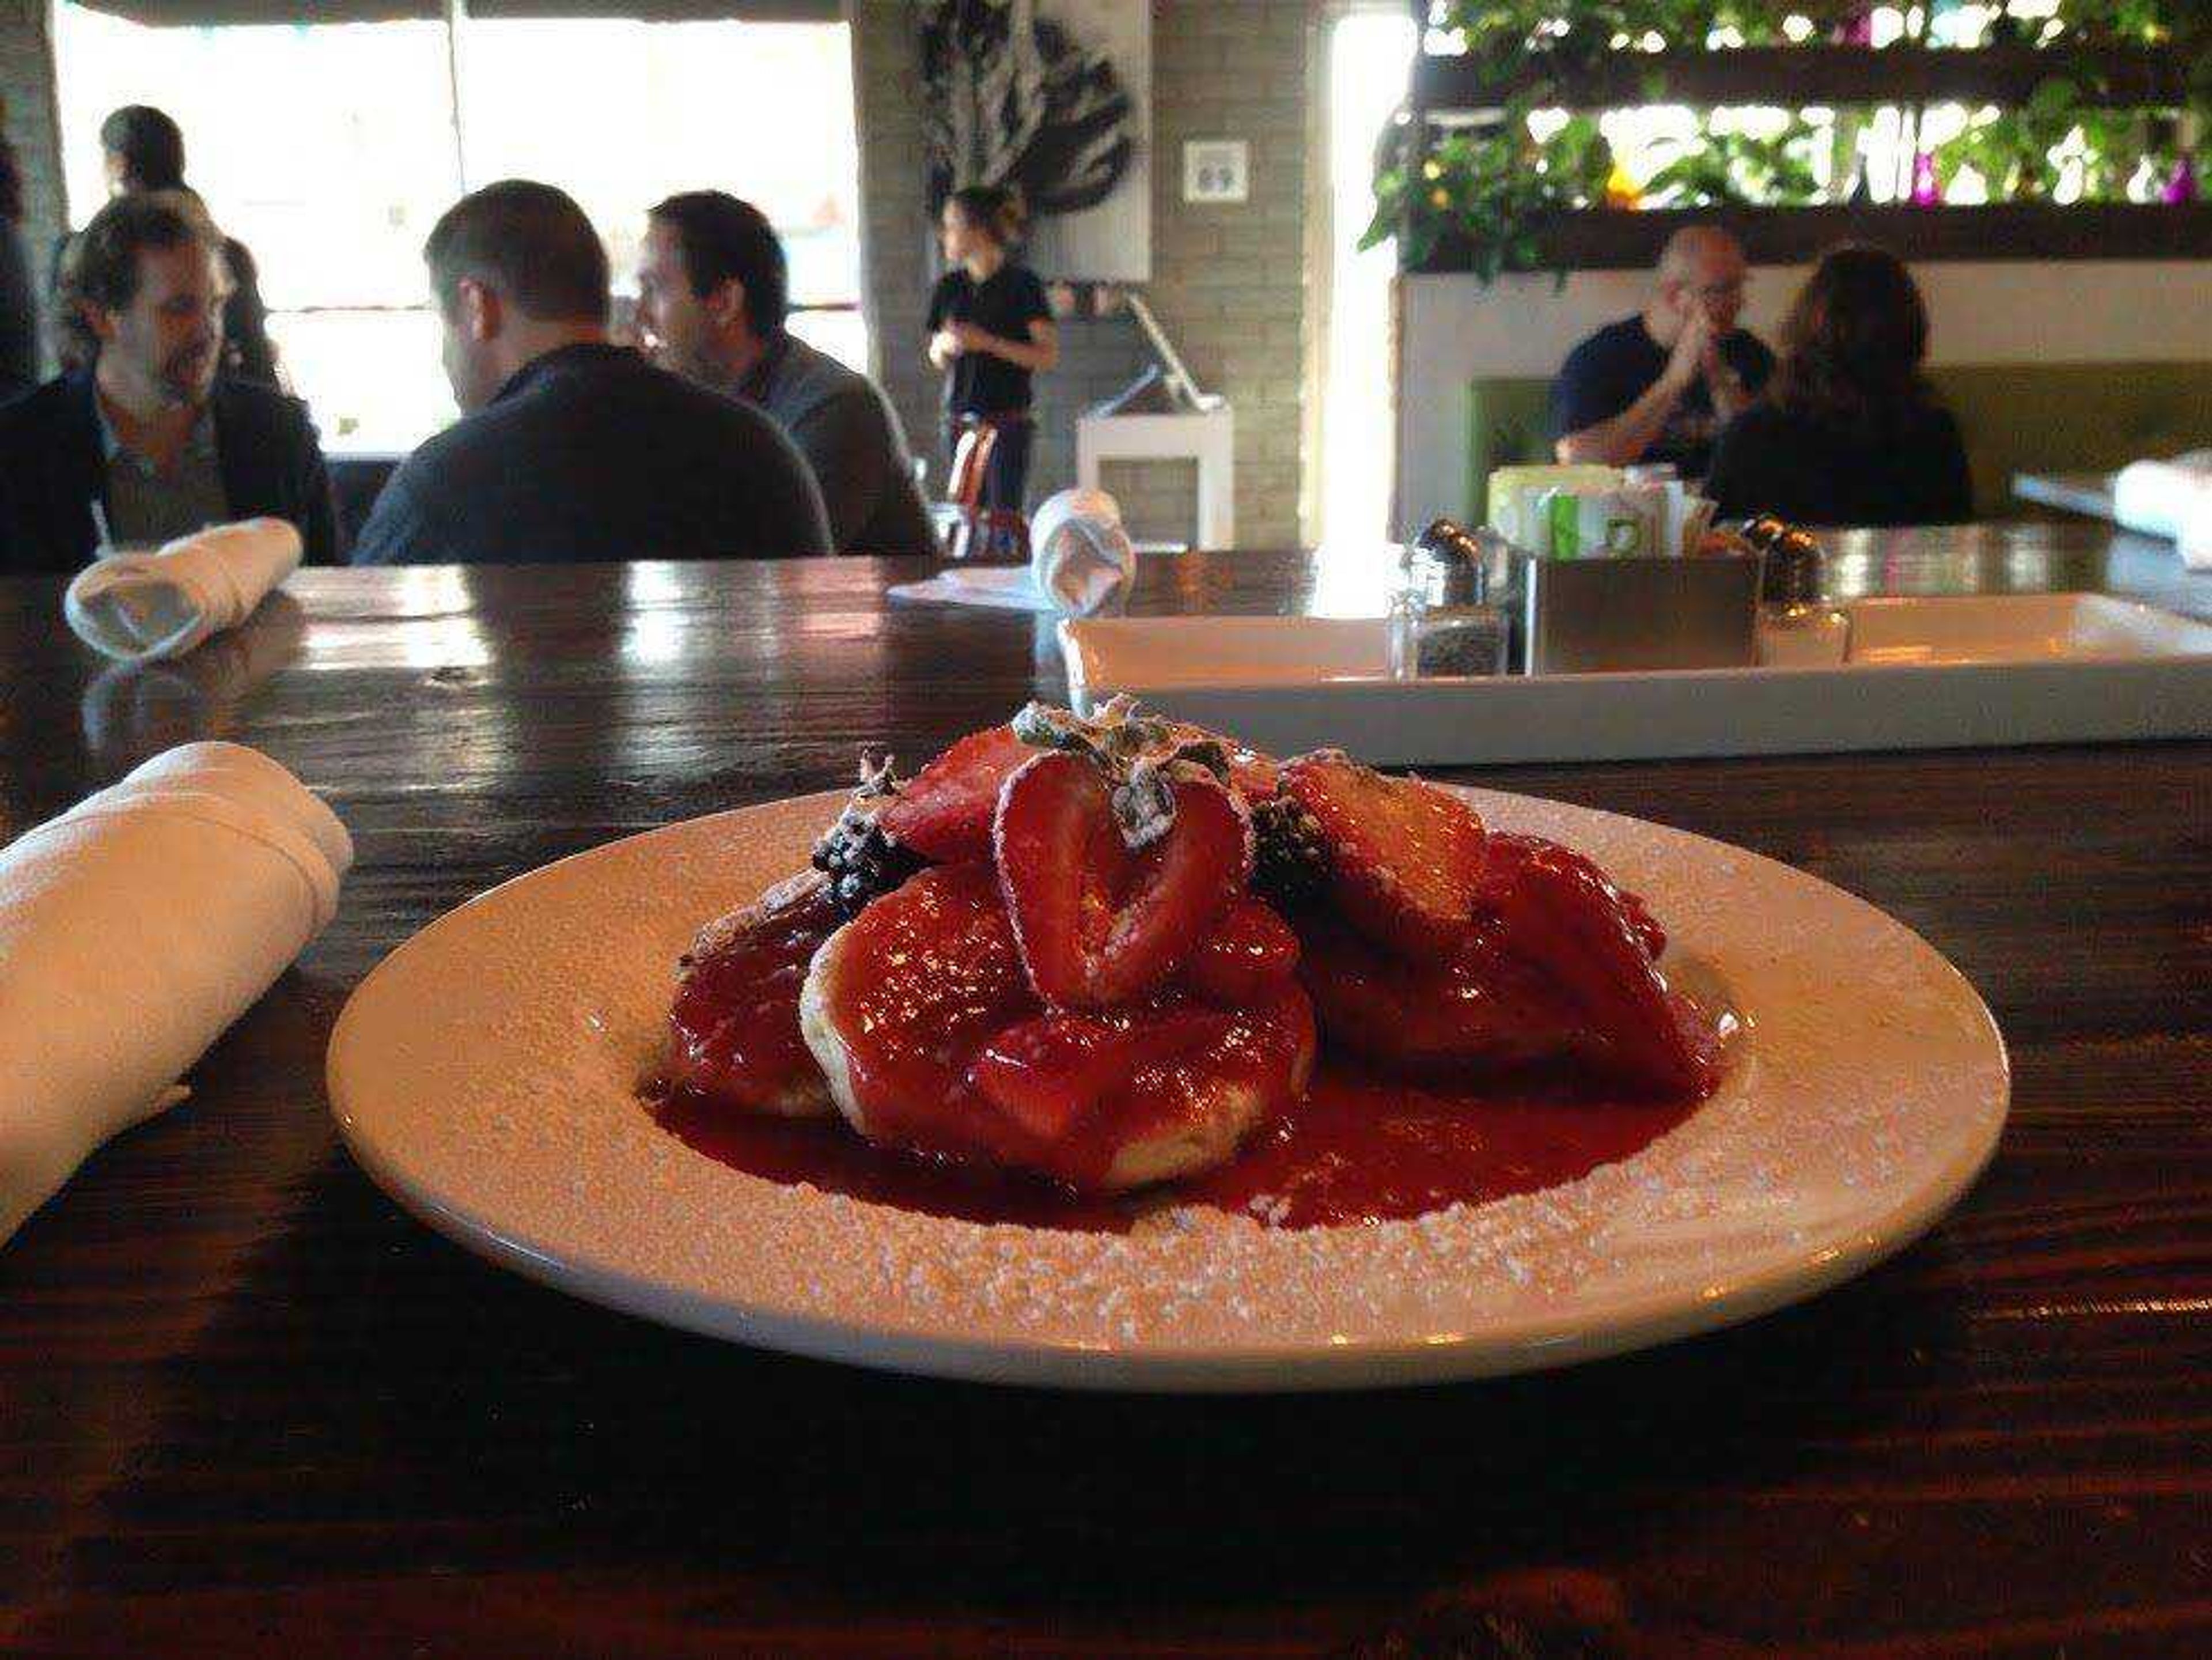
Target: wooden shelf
{"points": [[1798, 75], [1613, 239]]}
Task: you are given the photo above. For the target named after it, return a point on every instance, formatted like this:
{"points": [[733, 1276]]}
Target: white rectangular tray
{"points": [[1923, 673]]}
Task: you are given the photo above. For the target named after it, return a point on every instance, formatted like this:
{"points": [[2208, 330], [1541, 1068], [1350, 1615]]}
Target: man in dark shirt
{"points": [[144, 443], [712, 289], [572, 448], [1660, 385]]}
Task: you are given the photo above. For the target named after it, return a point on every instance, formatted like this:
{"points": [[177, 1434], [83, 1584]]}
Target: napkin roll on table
{"points": [[1081, 559], [133, 929], [1081, 563], [163, 604], [2170, 498]]}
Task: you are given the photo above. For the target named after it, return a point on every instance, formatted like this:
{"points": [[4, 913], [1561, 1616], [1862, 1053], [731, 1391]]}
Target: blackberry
{"points": [[1290, 863], [861, 861]]}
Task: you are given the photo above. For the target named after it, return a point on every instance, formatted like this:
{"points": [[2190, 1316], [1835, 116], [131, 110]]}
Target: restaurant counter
{"points": [[248, 1407]]}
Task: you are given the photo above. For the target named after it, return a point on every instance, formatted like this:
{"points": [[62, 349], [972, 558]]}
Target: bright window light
{"points": [[618, 113], [1369, 57]]}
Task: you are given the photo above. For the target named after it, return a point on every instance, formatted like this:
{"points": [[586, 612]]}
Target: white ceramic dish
{"points": [[1921, 673], [483, 1076]]}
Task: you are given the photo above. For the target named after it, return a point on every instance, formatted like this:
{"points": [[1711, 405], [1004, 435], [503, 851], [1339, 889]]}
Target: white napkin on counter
{"points": [[2170, 498], [1081, 563], [1080, 557], [140, 606], [133, 929]]}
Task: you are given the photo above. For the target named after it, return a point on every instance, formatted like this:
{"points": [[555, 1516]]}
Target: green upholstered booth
{"points": [[2017, 417]]}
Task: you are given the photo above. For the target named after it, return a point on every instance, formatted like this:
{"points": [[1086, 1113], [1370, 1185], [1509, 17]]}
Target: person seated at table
{"points": [[1849, 432], [1657, 386], [571, 447], [713, 289], [142, 442], [142, 148]]}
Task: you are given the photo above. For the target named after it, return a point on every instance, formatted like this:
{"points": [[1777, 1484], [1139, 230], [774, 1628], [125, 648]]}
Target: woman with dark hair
{"points": [[145, 151], [1848, 433], [19, 300], [990, 330]]}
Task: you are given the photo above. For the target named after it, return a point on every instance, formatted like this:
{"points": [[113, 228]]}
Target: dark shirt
{"points": [[53, 469], [1616, 366], [1005, 304], [852, 440], [1913, 471], [589, 452]]}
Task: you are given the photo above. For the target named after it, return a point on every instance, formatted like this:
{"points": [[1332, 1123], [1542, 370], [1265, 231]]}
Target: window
{"points": [[1370, 54], [330, 149]]}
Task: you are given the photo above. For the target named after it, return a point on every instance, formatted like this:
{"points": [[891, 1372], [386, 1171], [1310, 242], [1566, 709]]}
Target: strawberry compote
{"points": [[986, 1098], [733, 1031], [1360, 1148]]}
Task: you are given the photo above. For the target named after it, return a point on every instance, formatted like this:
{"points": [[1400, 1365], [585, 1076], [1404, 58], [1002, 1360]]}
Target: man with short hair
{"points": [[569, 447], [712, 293], [143, 150], [144, 444], [1660, 385]]}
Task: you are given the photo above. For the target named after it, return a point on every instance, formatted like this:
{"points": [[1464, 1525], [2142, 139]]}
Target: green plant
{"points": [[2011, 149], [1719, 169], [1491, 187]]}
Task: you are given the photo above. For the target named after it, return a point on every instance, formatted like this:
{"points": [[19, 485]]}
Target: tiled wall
{"points": [[1229, 281]]}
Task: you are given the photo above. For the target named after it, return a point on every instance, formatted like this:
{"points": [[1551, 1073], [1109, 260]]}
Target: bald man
{"points": [[1659, 386]]}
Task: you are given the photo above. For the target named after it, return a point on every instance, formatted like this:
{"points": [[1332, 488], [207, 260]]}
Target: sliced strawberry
{"points": [[1561, 912], [1047, 1074], [1507, 853], [945, 814], [1250, 954], [1407, 858], [1098, 924]]}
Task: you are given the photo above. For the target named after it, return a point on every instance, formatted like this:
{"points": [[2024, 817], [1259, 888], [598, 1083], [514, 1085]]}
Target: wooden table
{"points": [[248, 1408]]}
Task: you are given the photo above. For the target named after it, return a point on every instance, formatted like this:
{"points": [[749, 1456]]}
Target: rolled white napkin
{"points": [[2158, 497], [139, 605], [133, 929], [2192, 532], [1080, 557], [1081, 563]]}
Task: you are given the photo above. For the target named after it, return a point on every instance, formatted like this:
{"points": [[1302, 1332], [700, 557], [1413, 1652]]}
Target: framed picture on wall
{"points": [[1054, 96]]}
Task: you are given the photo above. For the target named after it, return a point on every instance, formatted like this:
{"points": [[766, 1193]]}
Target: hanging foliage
{"points": [[1488, 184]]}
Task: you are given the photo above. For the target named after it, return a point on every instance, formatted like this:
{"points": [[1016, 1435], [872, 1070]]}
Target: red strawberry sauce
{"points": [[735, 1024], [1358, 1149]]}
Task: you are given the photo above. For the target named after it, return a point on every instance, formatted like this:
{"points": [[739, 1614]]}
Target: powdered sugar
{"points": [[487, 1074]]}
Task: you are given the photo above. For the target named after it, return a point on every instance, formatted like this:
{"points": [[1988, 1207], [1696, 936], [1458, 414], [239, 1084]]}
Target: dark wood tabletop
{"points": [[247, 1406]]}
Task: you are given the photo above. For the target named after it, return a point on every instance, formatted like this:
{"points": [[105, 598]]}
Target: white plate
{"points": [[483, 1076]]}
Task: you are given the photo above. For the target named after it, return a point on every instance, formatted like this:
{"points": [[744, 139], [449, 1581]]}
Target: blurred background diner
{"points": [[1327, 316]]}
